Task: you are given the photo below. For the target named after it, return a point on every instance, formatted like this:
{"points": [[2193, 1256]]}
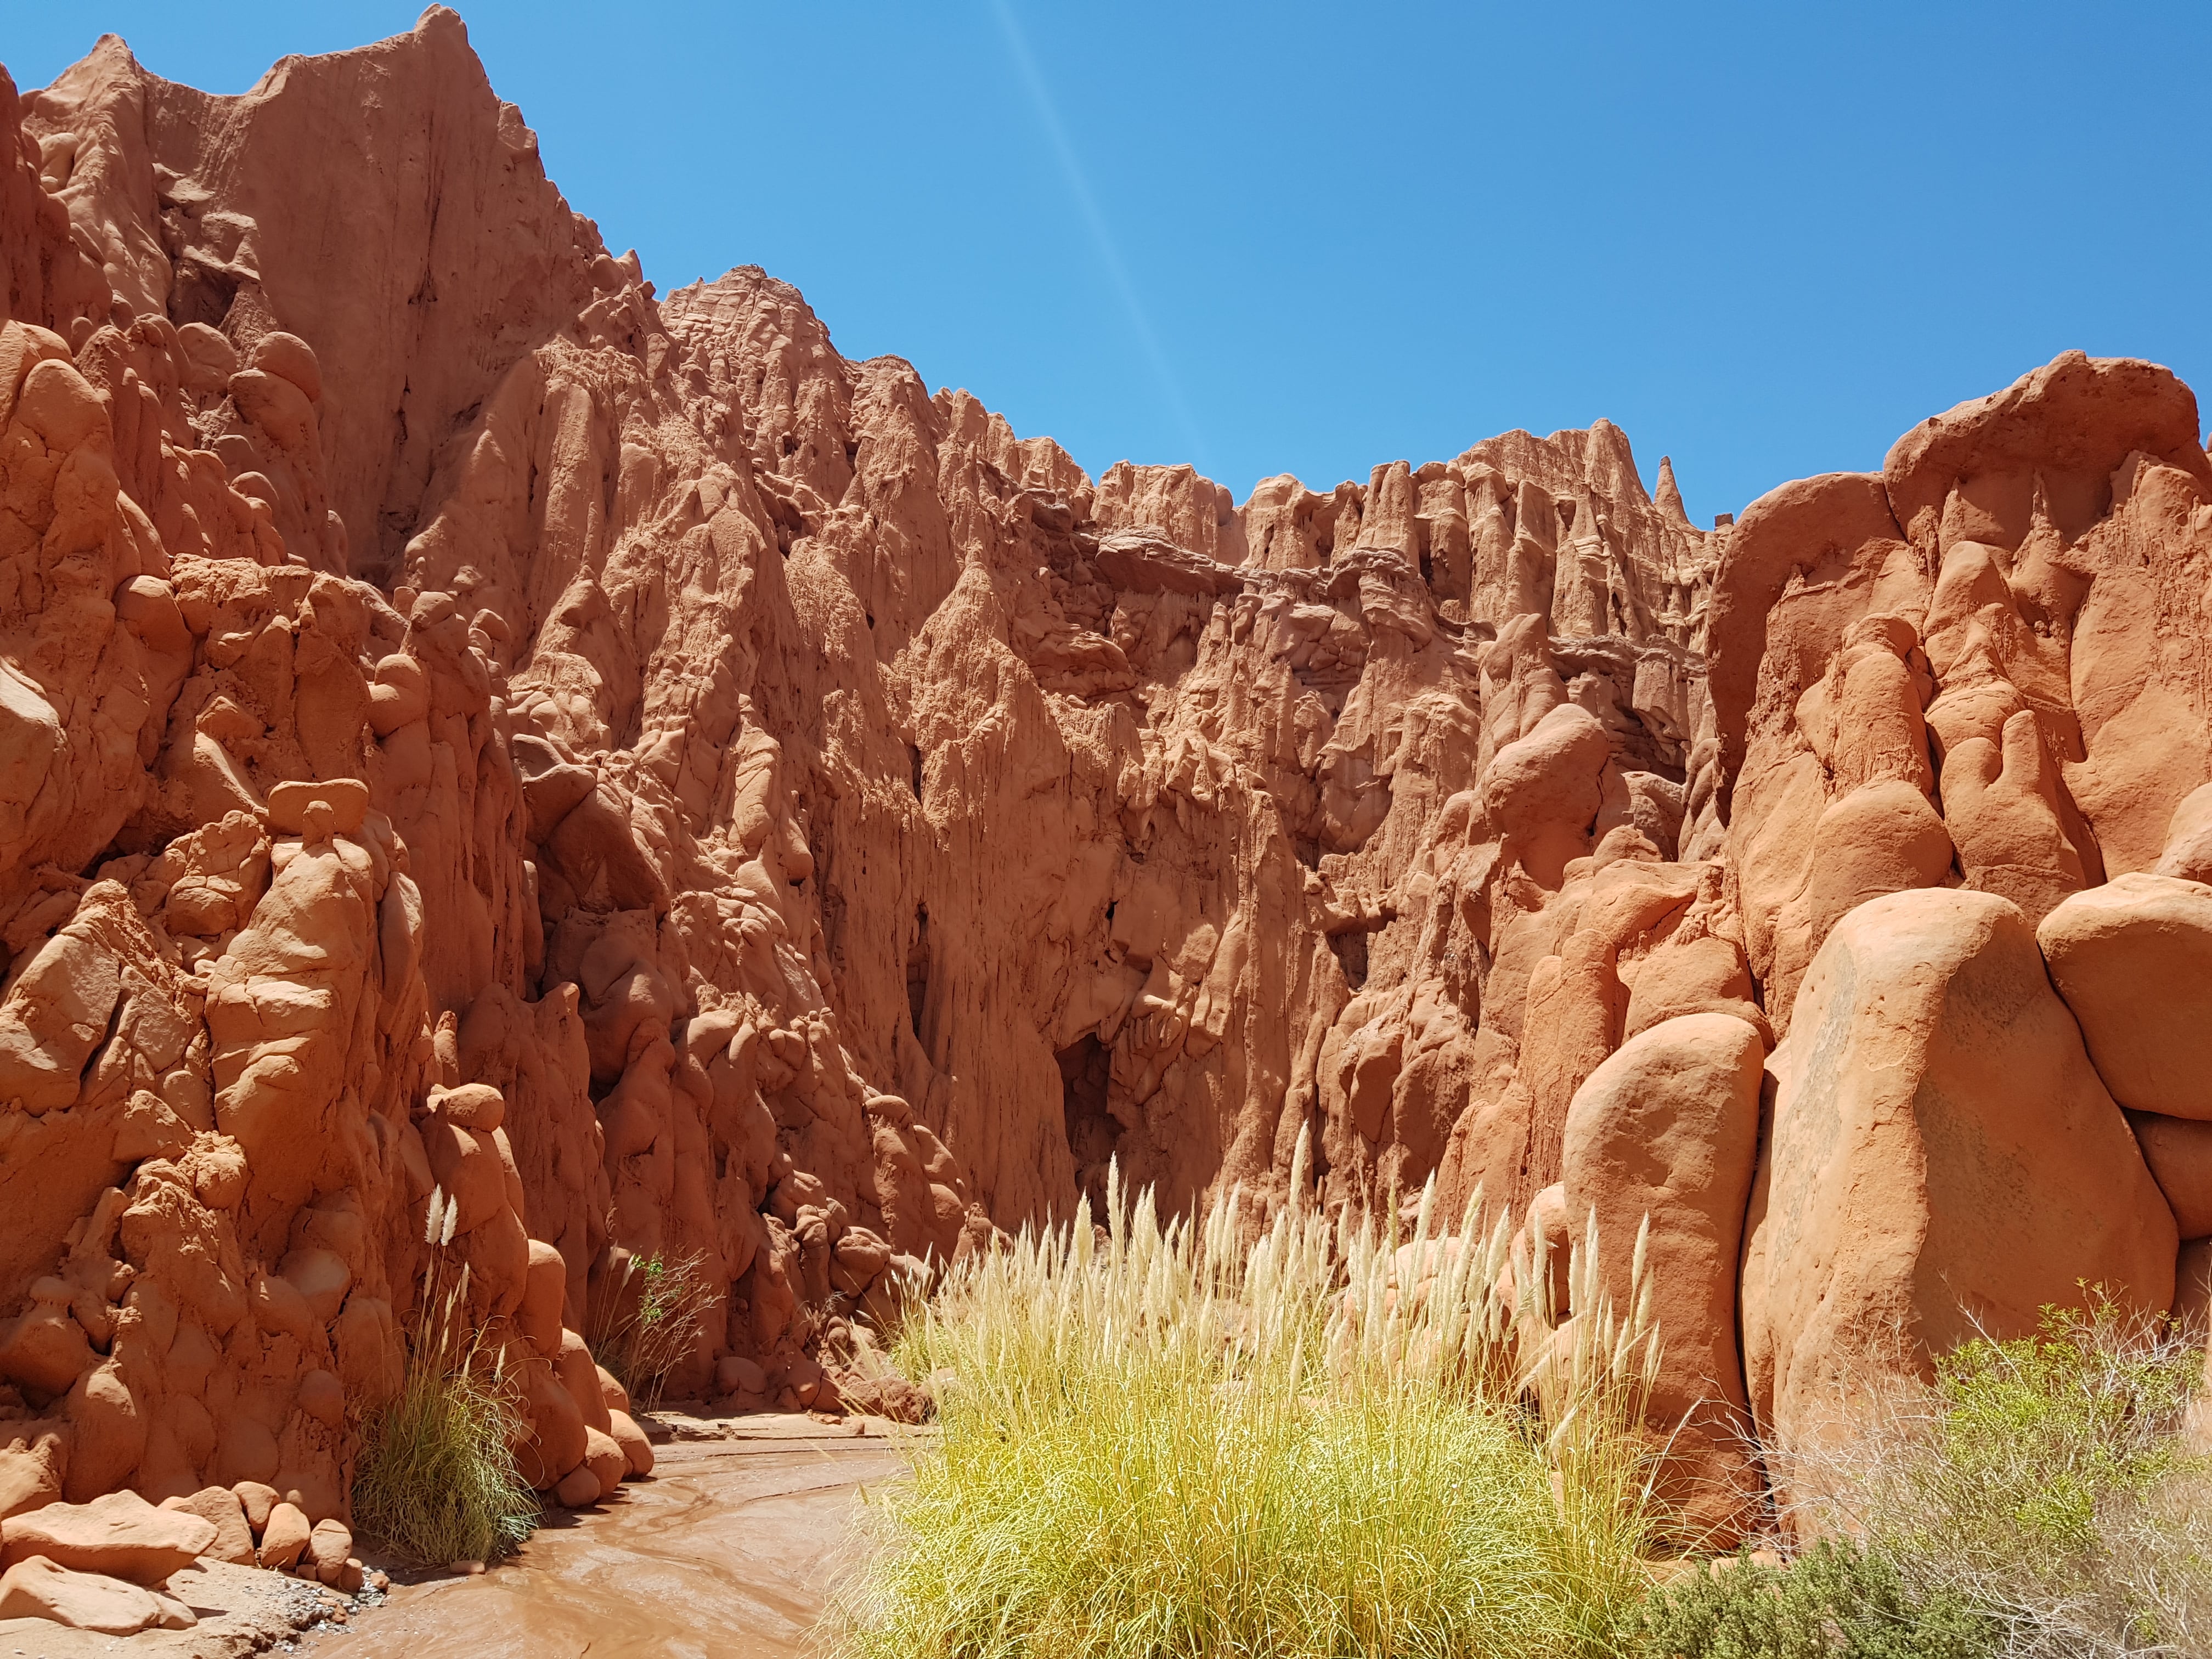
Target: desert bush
{"points": [[646, 1315], [1166, 1441], [2042, 1481], [437, 1481], [1837, 1601]]}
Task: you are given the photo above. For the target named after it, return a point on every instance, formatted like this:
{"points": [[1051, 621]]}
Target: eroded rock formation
{"points": [[501, 769]]}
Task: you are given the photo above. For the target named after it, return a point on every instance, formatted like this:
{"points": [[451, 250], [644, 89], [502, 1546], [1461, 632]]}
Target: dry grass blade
{"points": [[646, 1315]]}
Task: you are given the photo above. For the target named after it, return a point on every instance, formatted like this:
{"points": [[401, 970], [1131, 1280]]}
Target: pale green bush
{"points": [[2042, 1482]]}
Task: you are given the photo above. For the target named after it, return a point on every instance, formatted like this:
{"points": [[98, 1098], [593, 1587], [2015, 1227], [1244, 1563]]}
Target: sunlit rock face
{"points": [[500, 768]]}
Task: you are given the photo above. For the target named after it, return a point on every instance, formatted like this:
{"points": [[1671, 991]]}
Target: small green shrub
{"points": [[1836, 1602], [2035, 1439], [437, 1481], [2042, 1481]]}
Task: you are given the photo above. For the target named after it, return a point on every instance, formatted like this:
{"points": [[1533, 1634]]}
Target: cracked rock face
{"points": [[501, 769]]}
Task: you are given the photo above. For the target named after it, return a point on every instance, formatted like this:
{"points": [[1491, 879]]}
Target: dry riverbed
{"points": [[731, 1549]]}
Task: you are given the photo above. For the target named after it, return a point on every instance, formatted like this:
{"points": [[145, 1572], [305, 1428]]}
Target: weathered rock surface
{"points": [[1939, 1151], [220, 1508], [1664, 1136], [37, 1588], [502, 770], [2179, 1153], [285, 1538]]}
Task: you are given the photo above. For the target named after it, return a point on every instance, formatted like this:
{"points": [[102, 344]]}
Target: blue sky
{"points": [[1764, 239]]}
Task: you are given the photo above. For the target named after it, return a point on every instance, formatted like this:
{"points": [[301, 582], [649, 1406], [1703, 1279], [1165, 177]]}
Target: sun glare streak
{"points": [[1079, 186]]}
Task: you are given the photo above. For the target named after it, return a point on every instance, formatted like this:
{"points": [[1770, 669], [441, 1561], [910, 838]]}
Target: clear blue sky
{"points": [[1300, 237]]}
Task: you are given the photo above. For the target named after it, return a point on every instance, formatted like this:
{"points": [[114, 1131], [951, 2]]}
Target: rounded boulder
{"points": [[2133, 958], [1665, 1133]]}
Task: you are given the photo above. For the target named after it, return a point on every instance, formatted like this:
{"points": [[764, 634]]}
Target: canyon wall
{"points": [[490, 750]]}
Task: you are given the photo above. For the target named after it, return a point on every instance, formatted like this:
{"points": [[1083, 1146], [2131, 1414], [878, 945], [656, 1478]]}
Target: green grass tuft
{"points": [[438, 1483], [1835, 1601]]}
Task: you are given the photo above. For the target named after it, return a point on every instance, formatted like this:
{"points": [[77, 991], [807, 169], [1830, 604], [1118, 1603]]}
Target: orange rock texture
{"points": [[494, 757]]}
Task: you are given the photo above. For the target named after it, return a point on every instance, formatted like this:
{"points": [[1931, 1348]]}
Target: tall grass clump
{"points": [[1170, 1441], [647, 1316], [438, 1482]]}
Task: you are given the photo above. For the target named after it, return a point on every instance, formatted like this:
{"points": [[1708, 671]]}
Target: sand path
{"points": [[731, 1550]]}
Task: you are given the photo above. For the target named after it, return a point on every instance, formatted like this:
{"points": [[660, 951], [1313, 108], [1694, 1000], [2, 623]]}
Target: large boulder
{"points": [[221, 1508], [2133, 958], [1543, 791], [637, 1450], [285, 1539], [1667, 1128], [605, 1460], [37, 1588], [120, 1534], [1940, 1154]]}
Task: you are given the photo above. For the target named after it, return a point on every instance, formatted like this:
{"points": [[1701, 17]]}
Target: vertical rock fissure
{"points": [[917, 969], [1093, 1135]]}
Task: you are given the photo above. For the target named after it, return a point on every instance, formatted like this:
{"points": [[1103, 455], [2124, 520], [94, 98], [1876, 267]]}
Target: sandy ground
{"points": [[242, 1611], [730, 1550]]}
